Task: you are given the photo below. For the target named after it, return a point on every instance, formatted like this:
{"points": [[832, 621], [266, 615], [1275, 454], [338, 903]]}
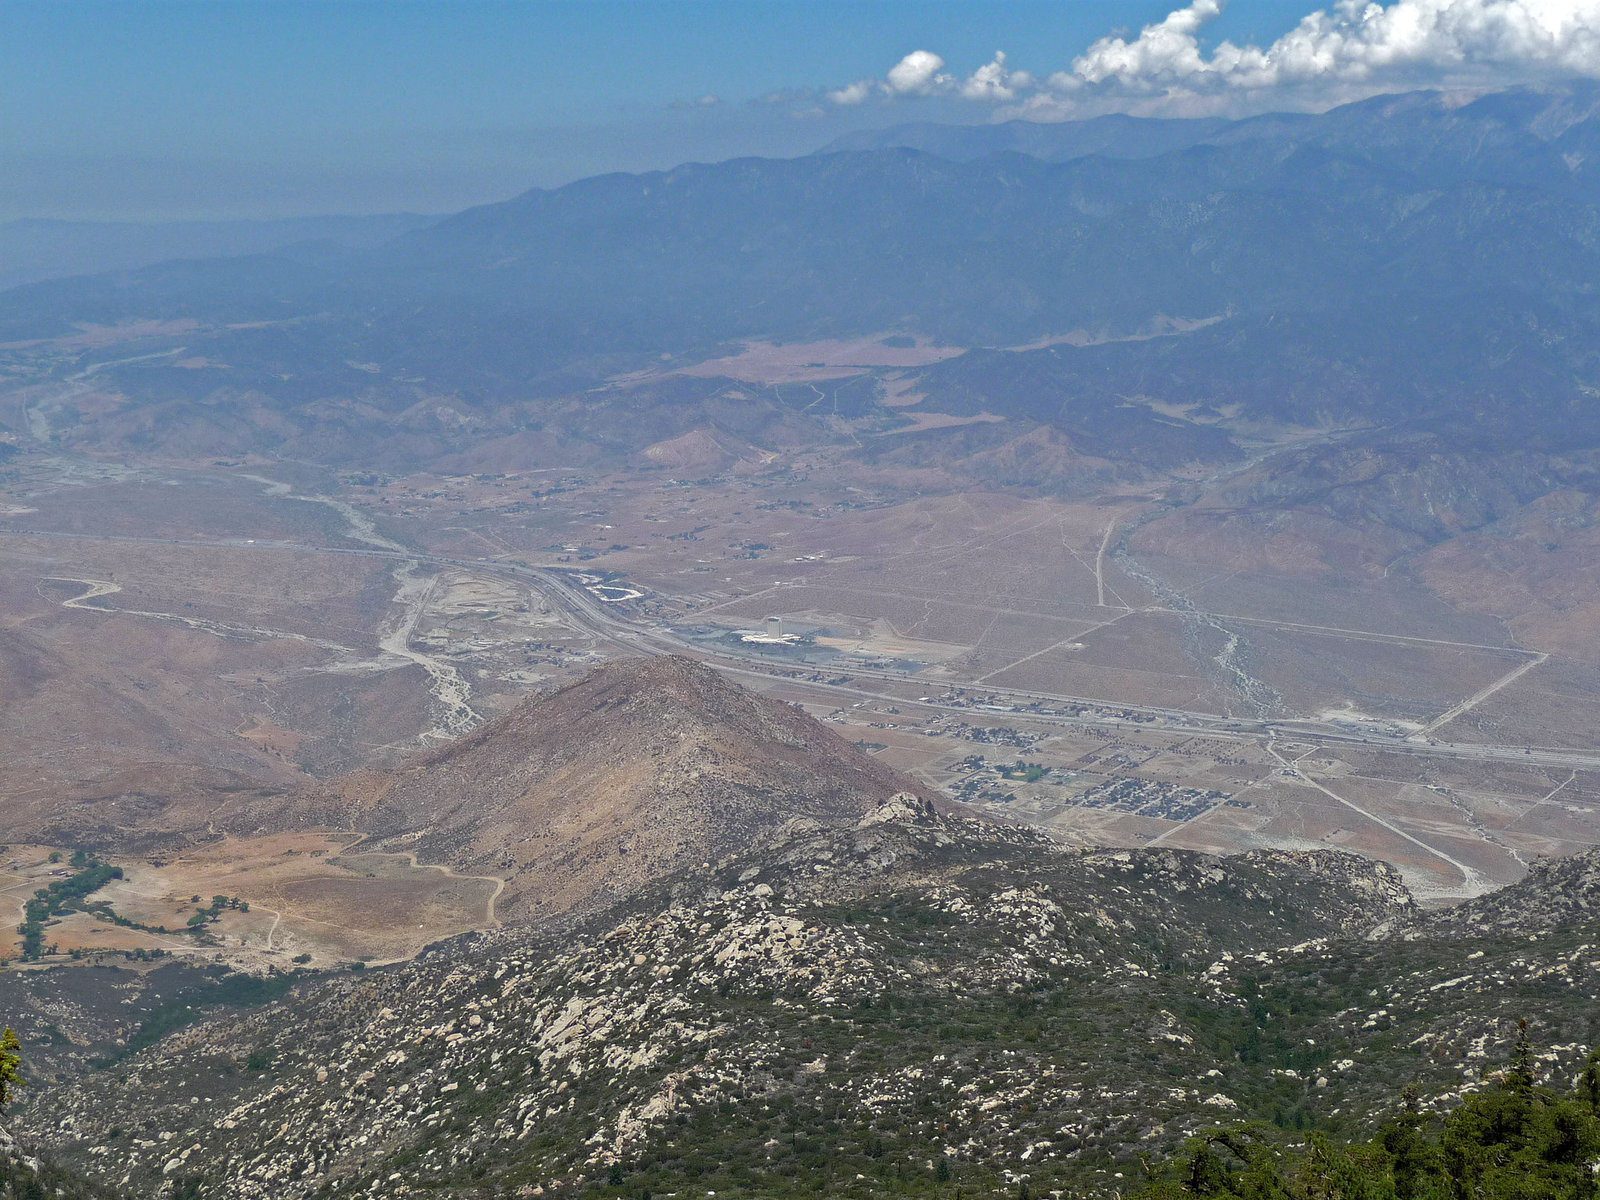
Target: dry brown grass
{"points": [[304, 896]]}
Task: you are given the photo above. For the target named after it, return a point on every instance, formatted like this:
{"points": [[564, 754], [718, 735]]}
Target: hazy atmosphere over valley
{"points": [[741, 598]]}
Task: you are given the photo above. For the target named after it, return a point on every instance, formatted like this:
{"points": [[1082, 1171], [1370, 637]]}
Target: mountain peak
{"points": [[641, 768]]}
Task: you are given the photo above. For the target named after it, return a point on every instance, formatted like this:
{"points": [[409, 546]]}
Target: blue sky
{"points": [[153, 109]]}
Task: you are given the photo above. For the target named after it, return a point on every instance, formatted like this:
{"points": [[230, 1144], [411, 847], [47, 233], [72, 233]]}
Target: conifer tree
{"points": [[10, 1066]]}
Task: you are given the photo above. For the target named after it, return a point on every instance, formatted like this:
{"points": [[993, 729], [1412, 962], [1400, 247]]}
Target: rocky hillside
{"points": [[1556, 894], [24, 1176], [643, 767], [910, 998]]}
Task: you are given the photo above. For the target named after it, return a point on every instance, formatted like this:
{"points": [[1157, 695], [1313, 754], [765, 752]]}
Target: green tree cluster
{"points": [[218, 903], [1513, 1141], [63, 895]]}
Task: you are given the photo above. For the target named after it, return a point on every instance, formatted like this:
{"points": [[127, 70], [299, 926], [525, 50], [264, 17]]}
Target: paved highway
{"points": [[579, 607]]}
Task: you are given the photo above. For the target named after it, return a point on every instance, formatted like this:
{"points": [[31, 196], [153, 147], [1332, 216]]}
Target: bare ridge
{"points": [[641, 768]]}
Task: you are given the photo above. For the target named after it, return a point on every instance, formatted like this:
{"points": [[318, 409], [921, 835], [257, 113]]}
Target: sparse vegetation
{"points": [[25, 1176], [916, 1029], [221, 991]]}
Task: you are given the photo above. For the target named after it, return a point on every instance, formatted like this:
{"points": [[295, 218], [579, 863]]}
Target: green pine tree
{"points": [[10, 1066]]}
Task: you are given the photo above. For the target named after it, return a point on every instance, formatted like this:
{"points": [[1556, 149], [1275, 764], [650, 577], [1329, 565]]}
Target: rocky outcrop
{"points": [[1555, 894], [905, 808], [25, 1176]]}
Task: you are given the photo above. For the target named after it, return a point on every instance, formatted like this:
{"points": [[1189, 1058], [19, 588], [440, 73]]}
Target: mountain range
{"points": [[1412, 261]]}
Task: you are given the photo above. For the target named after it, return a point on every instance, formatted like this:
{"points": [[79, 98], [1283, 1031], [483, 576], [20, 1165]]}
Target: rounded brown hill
{"points": [[642, 767]]}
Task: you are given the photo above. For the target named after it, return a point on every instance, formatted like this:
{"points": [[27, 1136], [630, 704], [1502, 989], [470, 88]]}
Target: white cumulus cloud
{"points": [[1167, 48], [922, 73], [916, 74], [1360, 40], [993, 81], [1340, 52], [853, 93]]}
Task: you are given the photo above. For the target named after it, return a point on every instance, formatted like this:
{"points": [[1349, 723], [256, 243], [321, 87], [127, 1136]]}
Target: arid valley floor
{"points": [[1118, 664]]}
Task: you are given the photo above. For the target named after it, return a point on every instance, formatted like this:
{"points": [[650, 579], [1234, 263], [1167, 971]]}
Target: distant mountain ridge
{"points": [[1407, 260], [1540, 138], [1114, 135]]}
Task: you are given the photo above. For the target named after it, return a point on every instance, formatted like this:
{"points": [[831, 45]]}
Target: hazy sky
{"points": [[140, 109]]}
